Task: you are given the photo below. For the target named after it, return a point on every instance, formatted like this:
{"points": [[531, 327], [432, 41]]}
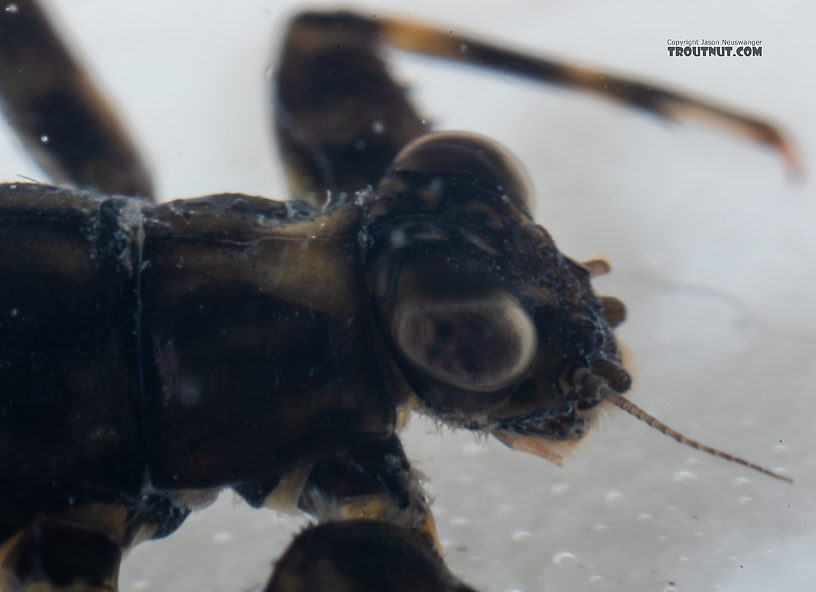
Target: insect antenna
{"points": [[640, 414]]}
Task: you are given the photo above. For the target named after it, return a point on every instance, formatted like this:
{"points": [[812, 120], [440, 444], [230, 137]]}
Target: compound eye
{"points": [[483, 344]]}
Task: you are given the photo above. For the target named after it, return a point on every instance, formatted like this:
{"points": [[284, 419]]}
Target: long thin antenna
{"points": [[640, 414]]}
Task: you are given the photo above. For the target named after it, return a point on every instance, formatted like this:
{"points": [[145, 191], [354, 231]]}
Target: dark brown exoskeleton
{"points": [[154, 354]]}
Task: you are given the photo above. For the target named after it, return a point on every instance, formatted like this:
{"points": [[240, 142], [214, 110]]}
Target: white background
{"points": [[713, 251]]}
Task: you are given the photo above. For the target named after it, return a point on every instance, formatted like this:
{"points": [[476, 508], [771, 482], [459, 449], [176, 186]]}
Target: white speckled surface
{"points": [[712, 250]]}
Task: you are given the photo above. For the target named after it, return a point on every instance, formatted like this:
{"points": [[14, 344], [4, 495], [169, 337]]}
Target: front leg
{"points": [[372, 482], [362, 556], [376, 533]]}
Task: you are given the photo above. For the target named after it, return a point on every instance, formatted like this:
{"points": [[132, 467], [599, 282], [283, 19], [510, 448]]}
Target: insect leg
{"points": [[665, 103], [374, 482], [376, 531], [62, 119], [340, 117], [57, 554], [362, 556]]}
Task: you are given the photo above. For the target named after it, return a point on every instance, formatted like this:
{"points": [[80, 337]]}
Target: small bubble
{"points": [[594, 579], [613, 496], [459, 521], [563, 556], [600, 527], [222, 537], [740, 481], [683, 559], [520, 535], [141, 585], [44, 139], [683, 476], [14, 312], [463, 47], [643, 517], [12, 8], [378, 127], [744, 499], [559, 488]]}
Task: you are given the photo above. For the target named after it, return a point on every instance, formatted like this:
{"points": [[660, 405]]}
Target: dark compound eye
{"points": [[482, 344]]}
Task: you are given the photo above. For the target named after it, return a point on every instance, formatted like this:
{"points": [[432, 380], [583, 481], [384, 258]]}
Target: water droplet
{"points": [[594, 579], [11, 8], [378, 127], [563, 556], [600, 527], [459, 521], [14, 312], [44, 139], [520, 535], [643, 517]]}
